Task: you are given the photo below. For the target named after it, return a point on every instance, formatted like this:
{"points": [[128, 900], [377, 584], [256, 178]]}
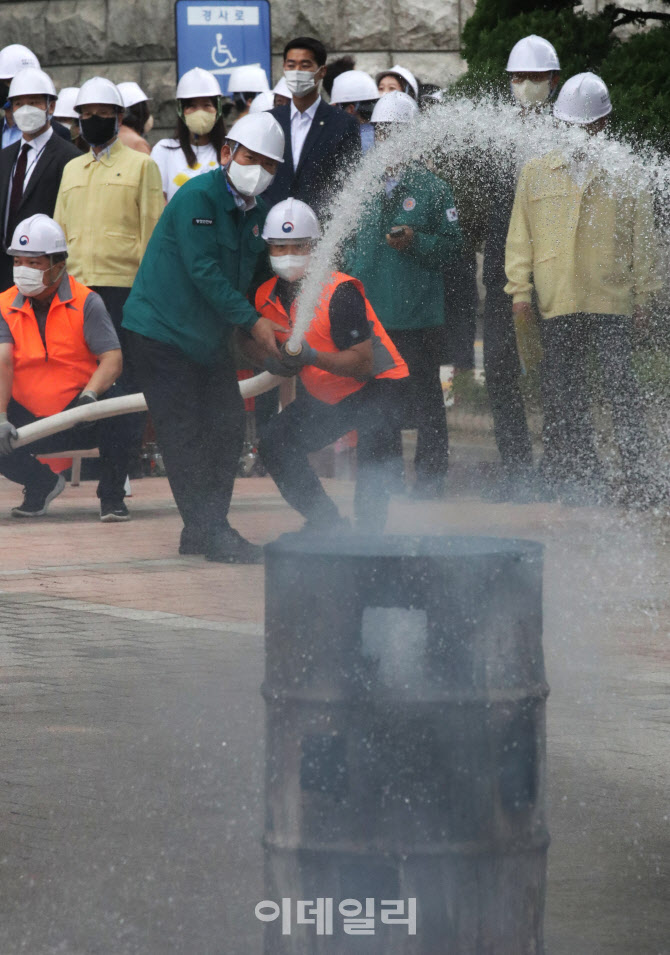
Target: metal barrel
{"points": [[405, 726]]}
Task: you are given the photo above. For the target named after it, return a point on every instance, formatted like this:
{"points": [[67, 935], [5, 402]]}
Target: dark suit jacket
{"points": [[38, 196], [333, 144]]}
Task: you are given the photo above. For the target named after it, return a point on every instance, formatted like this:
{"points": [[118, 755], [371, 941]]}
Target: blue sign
{"points": [[220, 35]]}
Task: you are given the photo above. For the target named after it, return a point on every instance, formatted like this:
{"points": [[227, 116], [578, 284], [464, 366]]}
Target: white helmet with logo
{"points": [[263, 102], [261, 133], [32, 81], [291, 221], [16, 57], [132, 93], [65, 103], [197, 82], [354, 86], [583, 99], [403, 74], [533, 54], [395, 107], [38, 235], [248, 79], [98, 90]]}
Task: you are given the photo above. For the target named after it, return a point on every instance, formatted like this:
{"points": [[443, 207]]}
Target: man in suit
{"points": [[321, 141], [30, 169]]}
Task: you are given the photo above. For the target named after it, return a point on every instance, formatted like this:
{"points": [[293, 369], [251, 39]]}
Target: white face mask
{"points": [[29, 118], [29, 281], [301, 82], [531, 93], [249, 180], [290, 267]]}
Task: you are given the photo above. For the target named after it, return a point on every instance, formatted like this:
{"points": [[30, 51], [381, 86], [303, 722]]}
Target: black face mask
{"points": [[4, 92], [365, 109], [98, 130]]}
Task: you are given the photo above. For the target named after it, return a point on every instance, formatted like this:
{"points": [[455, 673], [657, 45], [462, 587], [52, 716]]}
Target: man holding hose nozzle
{"points": [[351, 378], [189, 294], [58, 350]]}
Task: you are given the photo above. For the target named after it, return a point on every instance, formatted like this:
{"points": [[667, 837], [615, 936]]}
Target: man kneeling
{"points": [[58, 350], [351, 377]]}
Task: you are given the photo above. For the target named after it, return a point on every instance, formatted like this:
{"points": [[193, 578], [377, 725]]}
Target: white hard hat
{"points": [[98, 90], [261, 133], [281, 89], [31, 81], [291, 220], [395, 107], [132, 93], [16, 57], [65, 103], [38, 235], [583, 99], [197, 82], [248, 79], [263, 102], [533, 54], [354, 86], [403, 74]]}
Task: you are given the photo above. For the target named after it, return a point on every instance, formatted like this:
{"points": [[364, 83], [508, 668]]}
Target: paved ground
{"points": [[131, 724]]}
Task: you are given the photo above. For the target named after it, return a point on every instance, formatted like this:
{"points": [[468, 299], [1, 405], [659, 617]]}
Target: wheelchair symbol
{"points": [[221, 50]]}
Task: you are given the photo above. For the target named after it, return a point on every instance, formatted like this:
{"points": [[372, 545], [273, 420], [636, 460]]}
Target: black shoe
{"points": [[229, 547], [192, 542], [36, 501], [113, 512]]}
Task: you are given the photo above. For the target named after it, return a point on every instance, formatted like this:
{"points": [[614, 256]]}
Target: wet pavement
{"points": [[132, 723]]}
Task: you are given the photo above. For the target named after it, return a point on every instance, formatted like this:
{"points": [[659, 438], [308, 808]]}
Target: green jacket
{"points": [[406, 289], [200, 262]]}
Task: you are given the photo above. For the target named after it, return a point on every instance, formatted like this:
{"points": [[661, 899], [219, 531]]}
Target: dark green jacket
{"points": [[406, 289], [200, 262]]}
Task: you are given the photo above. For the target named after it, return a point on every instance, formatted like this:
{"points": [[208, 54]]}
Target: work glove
{"points": [[306, 356], [277, 367], [528, 341], [7, 432], [87, 397]]}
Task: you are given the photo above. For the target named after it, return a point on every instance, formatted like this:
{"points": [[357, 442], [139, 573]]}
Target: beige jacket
{"points": [[585, 248], [108, 208]]}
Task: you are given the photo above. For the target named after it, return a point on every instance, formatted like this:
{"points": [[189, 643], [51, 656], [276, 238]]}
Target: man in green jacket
{"points": [[189, 294], [408, 232]]}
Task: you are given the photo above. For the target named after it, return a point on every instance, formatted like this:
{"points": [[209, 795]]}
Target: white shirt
{"points": [[300, 126], [36, 146], [175, 171]]}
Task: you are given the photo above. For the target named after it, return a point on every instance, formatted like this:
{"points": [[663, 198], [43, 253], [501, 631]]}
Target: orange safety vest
{"points": [[329, 388], [47, 379]]}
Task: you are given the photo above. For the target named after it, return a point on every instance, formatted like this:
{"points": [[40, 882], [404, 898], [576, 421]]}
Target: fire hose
{"points": [[128, 404]]}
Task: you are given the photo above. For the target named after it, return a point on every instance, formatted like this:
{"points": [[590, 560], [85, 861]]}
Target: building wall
{"points": [[135, 39]]}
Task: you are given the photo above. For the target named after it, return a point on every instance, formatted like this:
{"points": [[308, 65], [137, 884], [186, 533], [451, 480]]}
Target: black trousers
{"points": [[423, 407], [109, 435], [198, 414], [502, 370], [568, 434], [308, 425], [115, 298], [461, 301]]}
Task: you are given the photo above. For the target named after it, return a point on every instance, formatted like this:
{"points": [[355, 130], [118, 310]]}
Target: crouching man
{"points": [[58, 350], [351, 377]]}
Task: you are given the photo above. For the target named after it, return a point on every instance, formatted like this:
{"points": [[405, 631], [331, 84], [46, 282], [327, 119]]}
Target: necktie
{"points": [[16, 194]]}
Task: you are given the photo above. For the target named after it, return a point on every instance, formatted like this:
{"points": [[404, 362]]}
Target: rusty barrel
{"points": [[405, 727]]}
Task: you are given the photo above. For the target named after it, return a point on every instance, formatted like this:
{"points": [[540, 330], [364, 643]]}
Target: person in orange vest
{"points": [[58, 350], [351, 377]]}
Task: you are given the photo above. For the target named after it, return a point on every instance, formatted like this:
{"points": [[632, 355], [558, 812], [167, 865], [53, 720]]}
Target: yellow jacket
{"points": [[108, 209], [585, 248]]}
